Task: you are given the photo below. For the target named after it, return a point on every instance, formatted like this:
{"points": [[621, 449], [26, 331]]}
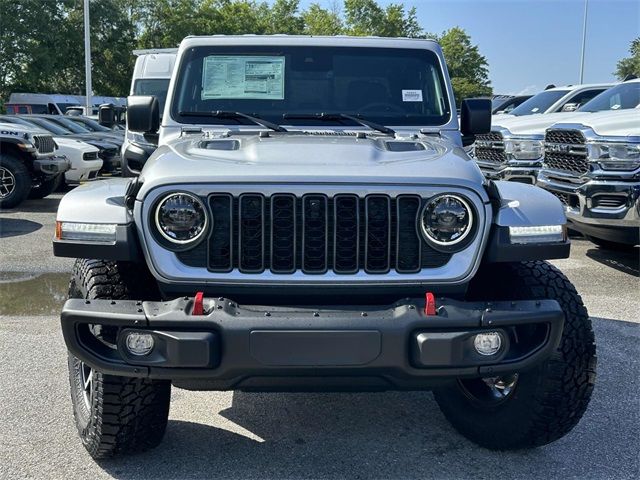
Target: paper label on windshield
{"points": [[228, 77], [411, 95]]}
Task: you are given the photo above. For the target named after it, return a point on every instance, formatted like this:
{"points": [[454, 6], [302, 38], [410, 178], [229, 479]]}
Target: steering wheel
{"points": [[384, 106]]}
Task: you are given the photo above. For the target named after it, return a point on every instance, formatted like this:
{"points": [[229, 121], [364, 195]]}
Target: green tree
{"points": [[366, 17], [468, 69], [319, 21], [630, 65]]}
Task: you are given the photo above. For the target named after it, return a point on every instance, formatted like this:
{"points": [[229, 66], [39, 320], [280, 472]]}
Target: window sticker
{"points": [[411, 95], [616, 106], [535, 109], [243, 77]]}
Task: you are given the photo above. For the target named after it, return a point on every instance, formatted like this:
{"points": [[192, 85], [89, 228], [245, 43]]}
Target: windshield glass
{"points": [[68, 124], [48, 126], [620, 97], [153, 86], [89, 124], [386, 86], [539, 103]]}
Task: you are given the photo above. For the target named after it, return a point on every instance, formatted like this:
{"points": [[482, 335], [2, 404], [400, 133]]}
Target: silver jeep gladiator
{"points": [[310, 221]]}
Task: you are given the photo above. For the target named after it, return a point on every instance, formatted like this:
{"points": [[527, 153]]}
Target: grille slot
{"points": [[44, 143], [609, 201], [314, 233], [565, 150], [378, 234], [251, 238], [284, 234], [489, 147]]}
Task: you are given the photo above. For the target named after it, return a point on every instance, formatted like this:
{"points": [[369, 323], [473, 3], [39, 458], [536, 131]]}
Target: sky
{"points": [[530, 44]]}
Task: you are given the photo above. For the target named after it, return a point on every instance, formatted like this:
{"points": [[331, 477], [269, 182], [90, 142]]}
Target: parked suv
{"points": [[335, 238], [593, 166], [28, 164]]}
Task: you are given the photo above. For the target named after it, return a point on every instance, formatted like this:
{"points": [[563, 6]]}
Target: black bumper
{"points": [[286, 348]]}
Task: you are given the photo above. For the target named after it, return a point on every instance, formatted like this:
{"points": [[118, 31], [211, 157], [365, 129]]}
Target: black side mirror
{"points": [[143, 114], [475, 118], [107, 115]]}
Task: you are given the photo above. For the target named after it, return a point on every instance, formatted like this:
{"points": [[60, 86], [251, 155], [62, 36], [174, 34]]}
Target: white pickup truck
{"points": [[514, 149]]}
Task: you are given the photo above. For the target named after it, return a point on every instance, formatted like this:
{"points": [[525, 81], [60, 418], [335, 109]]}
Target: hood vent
{"points": [[225, 145], [404, 146]]}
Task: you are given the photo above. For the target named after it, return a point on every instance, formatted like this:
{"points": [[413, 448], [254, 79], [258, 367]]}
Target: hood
{"points": [[535, 124], [620, 123], [67, 142], [309, 158], [20, 130]]}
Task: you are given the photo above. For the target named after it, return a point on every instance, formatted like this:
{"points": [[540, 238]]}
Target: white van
{"points": [[151, 76], [54, 104]]}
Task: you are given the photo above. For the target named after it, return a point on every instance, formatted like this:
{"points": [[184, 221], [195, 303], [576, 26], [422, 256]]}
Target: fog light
{"points": [[139, 343], [487, 343]]}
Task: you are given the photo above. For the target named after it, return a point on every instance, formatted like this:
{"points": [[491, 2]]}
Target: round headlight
{"points": [[446, 220], [181, 218]]}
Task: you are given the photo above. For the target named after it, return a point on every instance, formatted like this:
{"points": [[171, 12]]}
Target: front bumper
{"points": [[587, 214], [111, 164], [515, 171], [87, 170], [51, 166], [287, 348]]}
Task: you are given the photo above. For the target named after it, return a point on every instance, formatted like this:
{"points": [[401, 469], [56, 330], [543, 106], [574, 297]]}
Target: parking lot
{"points": [[243, 435]]}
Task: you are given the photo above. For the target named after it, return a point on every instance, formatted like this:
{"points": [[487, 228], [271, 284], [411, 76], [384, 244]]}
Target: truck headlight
{"points": [[86, 232], [616, 156], [524, 149], [446, 221], [181, 218]]}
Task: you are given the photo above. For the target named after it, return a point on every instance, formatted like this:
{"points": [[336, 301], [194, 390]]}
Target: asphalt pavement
{"points": [[331, 436]]}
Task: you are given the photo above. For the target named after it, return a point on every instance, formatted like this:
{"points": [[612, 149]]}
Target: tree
{"points": [[468, 69], [318, 21], [630, 65], [366, 17]]}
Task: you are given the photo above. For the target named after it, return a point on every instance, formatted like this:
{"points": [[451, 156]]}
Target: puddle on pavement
{"points": [[32, 294]]}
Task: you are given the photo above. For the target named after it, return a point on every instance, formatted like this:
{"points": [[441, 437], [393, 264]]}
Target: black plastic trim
{"points": [[125, 248], [500, 249]]}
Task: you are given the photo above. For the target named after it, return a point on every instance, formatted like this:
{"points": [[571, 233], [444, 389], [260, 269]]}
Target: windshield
{"points": [[48, 126], [620, 97], [89, 124], [386, 86], [68, 124], [539, 103], [153, 86]]}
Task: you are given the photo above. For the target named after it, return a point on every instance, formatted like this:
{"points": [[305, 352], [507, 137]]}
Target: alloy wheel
{"points": [[7, 182]]}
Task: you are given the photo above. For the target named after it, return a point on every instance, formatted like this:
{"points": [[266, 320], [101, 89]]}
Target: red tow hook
{"points": [[198, 304], [430, 304]]}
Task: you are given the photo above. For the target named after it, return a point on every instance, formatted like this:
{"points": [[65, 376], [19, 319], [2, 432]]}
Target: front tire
{"points": [[46, 187], [15, 181], [113, 414], [540, 405]]}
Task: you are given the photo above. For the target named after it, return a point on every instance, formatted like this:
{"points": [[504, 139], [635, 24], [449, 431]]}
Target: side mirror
{"points": [[107, 115], [570, 107], [475, 118], [143, 114]]}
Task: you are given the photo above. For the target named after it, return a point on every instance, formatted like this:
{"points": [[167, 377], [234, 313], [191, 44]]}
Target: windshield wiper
{"points": [[332, 117], [235, 115]]}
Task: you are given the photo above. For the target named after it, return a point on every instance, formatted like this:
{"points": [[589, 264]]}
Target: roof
{"points": [[582, 86]]}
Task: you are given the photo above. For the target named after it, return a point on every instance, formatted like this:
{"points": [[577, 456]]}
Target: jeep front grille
{"points": [[489, 147], [566, 151], [44, 143], [314, 233]]}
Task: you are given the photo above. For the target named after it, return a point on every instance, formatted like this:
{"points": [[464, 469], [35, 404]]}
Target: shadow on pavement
{"points": [[394, 434], [14, 227], [626, 261]]}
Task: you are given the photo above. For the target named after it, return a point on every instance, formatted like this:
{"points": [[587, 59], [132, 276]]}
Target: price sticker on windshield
{"points": [[411, 95]]}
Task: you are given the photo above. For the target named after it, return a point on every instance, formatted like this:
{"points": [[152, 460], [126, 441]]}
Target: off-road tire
{"points": [[22, 184], [609, 245], [548, 400], [46, 187], [126, 415]]}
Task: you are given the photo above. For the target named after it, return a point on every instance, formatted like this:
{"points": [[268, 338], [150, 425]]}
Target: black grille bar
{"points": [[377, 246], [346, 243], [408, 248], [251, 238], [315, 232], [283, 233], [221, 241]]}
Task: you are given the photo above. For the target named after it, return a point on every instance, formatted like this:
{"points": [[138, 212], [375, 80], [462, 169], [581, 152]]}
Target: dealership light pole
{"points": [[87, 59], [584, 40]]}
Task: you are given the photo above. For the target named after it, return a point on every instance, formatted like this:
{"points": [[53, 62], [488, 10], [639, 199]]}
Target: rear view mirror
{"points": [[475, 118], [570, 107], [107, 115], [143, 114]]}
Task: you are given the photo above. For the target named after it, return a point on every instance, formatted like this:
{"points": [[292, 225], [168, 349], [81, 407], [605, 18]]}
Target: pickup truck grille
{"points": [[565, 150], [315, 233], [489, 147], [44, 143]]}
